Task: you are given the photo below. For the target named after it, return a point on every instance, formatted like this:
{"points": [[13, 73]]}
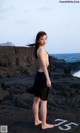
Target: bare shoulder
{"points": [[40, 52]]}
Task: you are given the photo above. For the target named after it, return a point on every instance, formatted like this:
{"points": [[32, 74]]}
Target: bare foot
{"points": [[38, 122], [47, 126]]}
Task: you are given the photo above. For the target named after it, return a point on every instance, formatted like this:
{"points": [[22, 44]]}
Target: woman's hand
{"points": [[49, 83]]}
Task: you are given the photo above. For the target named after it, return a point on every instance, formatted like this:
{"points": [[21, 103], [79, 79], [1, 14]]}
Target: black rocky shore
{"points": [[17, 70]]}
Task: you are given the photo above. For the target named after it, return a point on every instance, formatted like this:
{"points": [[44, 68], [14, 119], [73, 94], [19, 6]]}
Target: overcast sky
{"points": [[20, 20]]}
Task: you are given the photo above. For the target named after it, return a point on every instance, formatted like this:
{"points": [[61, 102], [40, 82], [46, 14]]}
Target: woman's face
{"points": [[43, 40]]}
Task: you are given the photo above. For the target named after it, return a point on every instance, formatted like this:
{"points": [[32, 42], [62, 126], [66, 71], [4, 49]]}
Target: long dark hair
{"points": [[36, 44]]}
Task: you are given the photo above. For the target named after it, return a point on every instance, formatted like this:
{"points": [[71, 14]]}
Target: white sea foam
{"points": [[77, 74]]}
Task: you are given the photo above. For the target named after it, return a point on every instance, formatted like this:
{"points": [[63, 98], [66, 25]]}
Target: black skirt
{"points": [[39, 87]]}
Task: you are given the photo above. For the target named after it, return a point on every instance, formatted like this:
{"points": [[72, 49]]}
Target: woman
{"points": [[42, 82]]}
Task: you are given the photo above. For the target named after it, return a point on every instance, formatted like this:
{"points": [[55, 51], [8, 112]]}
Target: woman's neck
{"points": [[43, 47]]}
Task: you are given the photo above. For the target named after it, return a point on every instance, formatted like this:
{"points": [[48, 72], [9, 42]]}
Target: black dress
{"points": [[39, 88]]}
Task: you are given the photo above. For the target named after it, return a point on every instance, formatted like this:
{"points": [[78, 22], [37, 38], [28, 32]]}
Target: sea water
{"points": [[69, 57]]}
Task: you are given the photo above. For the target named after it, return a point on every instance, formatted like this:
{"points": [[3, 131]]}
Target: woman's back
{"points": [[43, 58]]}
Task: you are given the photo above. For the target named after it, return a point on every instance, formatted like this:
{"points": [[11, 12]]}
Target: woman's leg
{"points": [[43, 111], [36, 110]]}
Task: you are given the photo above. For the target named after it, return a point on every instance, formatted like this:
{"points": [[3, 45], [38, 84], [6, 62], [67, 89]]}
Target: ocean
{"points": [[68, 57]]}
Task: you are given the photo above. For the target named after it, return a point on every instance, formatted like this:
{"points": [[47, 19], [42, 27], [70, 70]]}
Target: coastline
{"points": [[17, 72]]}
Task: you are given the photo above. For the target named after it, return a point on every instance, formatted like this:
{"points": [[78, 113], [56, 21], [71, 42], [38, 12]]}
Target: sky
{"points": [[21, 20]]}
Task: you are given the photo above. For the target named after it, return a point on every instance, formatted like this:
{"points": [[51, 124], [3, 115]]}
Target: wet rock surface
{"points": [[63, 104]]}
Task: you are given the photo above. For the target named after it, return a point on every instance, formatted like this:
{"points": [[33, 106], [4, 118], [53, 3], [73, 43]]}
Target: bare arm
{"points": [[41, 56], [43, 63]]}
